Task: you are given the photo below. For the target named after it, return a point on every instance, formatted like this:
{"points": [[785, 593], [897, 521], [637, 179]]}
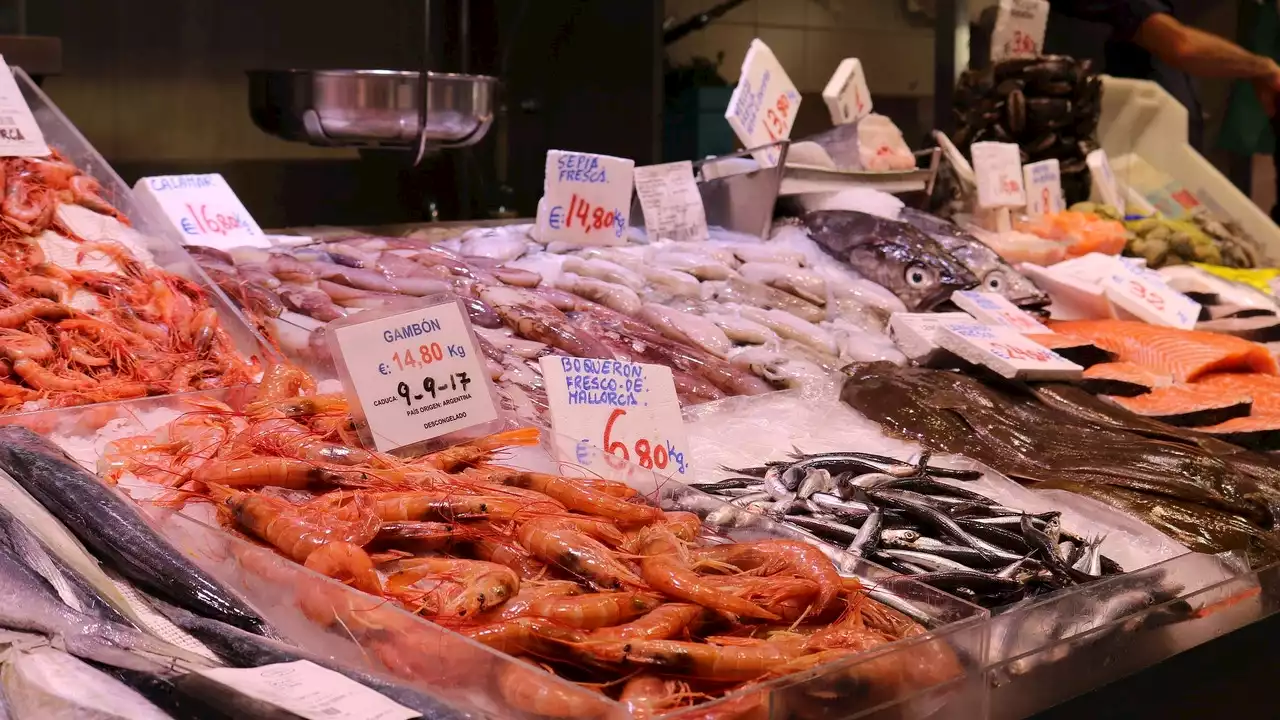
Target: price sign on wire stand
{"points": [[202, 208], [588, 198], [671, 202], [1043, 183], [763, 106], [998, 167], [606, 413], [415, 373], [20, 136], [846, 95], [1019, 30]]}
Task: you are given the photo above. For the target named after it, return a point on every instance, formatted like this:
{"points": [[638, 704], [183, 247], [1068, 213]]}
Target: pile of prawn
{"points": [[149, 331], [577, 576]]}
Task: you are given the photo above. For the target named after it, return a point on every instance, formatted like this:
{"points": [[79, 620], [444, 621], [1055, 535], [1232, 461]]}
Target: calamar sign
{"points": [[203, 209]]}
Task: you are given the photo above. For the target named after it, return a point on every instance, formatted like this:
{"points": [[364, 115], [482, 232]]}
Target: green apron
{"points": [[1246, 129]]}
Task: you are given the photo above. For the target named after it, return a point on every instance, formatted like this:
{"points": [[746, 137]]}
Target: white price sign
{"points": [[995, 309], [763, 106], [1143, 294], [846, 94], [414, 371], [202, 208], [1104, 179], [605, 412], [1005, 351], [671, 202], [1043, 182], [588, 198], [310, 691], [1019, 31], [998, 167], [20, 136]]}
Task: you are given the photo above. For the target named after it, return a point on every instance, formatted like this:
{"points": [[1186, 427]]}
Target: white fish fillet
{"points": [[51, 685], [789, 326], [685, 327]]}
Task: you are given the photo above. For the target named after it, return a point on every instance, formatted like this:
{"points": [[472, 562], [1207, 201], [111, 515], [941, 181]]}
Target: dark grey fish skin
{"points": [[115, 531], [994, 274], [244, 649], [907, 262]]}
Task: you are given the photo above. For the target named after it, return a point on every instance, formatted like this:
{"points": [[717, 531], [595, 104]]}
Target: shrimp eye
{"points": [[994, 281], [919, 275]]}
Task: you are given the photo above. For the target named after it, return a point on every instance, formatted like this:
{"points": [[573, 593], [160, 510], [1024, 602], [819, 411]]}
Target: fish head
{"points": [[913, 267], [1015, 286]]}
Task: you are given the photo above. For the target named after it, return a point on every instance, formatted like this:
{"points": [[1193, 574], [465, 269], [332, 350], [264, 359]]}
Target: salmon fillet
{"points": [[1256, 432], [1187, 405], [1184, 354], [1076, 349]]}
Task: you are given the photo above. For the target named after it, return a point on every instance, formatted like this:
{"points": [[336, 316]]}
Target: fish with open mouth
{"points": [[994, 274], [906, 261]]}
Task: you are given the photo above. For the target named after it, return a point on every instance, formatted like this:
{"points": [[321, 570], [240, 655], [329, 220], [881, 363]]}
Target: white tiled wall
{"points": [[811, 37]]}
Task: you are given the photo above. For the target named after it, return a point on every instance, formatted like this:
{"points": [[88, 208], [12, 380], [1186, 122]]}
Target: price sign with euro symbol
{"points": [[415, 373], [202, 208], [764, 104], [586, 198]]}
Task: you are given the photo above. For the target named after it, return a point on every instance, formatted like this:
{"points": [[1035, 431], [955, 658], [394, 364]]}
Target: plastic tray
{"points": [[161, 239]]}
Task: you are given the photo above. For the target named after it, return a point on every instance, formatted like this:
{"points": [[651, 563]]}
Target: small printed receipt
{"points": [[671, 202], [20, 136], [995, 309], [998, 167], [1006, 352], [310, 691]]}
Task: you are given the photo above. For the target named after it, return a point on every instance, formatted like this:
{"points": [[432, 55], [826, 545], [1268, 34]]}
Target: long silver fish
{"points": [[907, 262], [994, 274], [43, 682]]}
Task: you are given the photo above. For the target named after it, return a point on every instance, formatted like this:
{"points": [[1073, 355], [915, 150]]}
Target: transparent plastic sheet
{"points": [[160, 239], [1027, 676]]}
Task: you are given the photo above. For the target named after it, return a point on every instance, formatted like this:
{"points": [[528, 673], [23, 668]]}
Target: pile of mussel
{"points": [[1048, 105]]}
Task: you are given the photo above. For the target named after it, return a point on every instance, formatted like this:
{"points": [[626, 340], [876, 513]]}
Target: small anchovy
{"points": [[736, 492], [842, 508], [905, 500], [1015, 521], [825, 528], [1012, 568], [898, 536], [870, 480], [1066, 549], [926, 560], [781, 507], [927, 486], [730, 484], [746, 500], [816, 480], [778, 488], [973, 581], [755, 472], [959, 553], [884, 596], [1046, 544], [865, 541], [994, 533], [1090, 561]]}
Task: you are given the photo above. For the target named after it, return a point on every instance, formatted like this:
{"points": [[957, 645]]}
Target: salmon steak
{"points": [[1074, 348], [1186, 405], [1264, 389], [1125, 379], [1256, 432], [1184, 354]]}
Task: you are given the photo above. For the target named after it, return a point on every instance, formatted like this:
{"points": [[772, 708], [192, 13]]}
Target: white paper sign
{"points": [[846, 94], [916, 334], [1019, 31], [607, 411], [1006, 351], [998, 167], [995, 309], [1043, 183], [588, 198], [763, 106], [671, 202], [202, 208], [311, 691], [415, 373], [1144, 295], [1104, 179], [20, 136]]}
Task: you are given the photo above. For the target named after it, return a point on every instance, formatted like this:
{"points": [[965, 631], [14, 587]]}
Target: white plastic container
{"points": [[1140, 118]]}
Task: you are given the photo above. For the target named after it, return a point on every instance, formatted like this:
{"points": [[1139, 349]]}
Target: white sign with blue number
{"points": [[202, 208], [588, 198]]}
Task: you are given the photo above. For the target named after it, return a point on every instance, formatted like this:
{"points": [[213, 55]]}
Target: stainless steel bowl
{"points": [[371, 108]]}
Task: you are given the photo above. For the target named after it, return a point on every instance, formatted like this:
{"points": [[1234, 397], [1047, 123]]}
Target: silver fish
{"points": [[994, 274], [43, 682], [904, 260]]}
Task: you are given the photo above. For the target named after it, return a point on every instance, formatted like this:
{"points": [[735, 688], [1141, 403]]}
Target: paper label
{"points": [[20, 136], [588, 198], [1005, 351], [671, 202], [1043, 183], [415, 373], [998, 167], [1143, 294], [1105, 179], [763, 106], [916, 333], [203, 209], [311, 691], [846, 94], [605, 412], [1019, 31], [995, 309]]}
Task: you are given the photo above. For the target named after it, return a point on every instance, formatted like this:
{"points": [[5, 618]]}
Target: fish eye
{"points": [[994, 281], [919, 275]]}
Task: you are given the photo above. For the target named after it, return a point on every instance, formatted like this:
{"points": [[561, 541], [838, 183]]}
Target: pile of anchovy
{"points": [[903, 516]]}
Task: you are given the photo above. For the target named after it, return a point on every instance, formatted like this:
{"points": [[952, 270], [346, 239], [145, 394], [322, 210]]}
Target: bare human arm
{"points": [[1196, 52]]}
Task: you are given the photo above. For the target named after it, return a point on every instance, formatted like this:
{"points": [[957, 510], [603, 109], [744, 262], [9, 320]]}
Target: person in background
{"points": [[1246, 129]]}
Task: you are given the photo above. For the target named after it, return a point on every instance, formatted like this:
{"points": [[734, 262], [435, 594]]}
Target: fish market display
{"points": [[85, 315], [1049, 105], [907, 517], [1080, 231], [1163, 241], [578, 575], [1070, 442]]}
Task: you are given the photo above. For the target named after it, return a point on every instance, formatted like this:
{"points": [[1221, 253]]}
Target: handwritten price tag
{"points": [[588, 198], [607, 413], [998, 167], [671, 202], [1144, 295], [1019, 31], [202, 208], [20, 136], [1043, 182], [995, 309], [415, 372], [1005, 351], [763, 106], [1104, 179], [846, 94]]}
